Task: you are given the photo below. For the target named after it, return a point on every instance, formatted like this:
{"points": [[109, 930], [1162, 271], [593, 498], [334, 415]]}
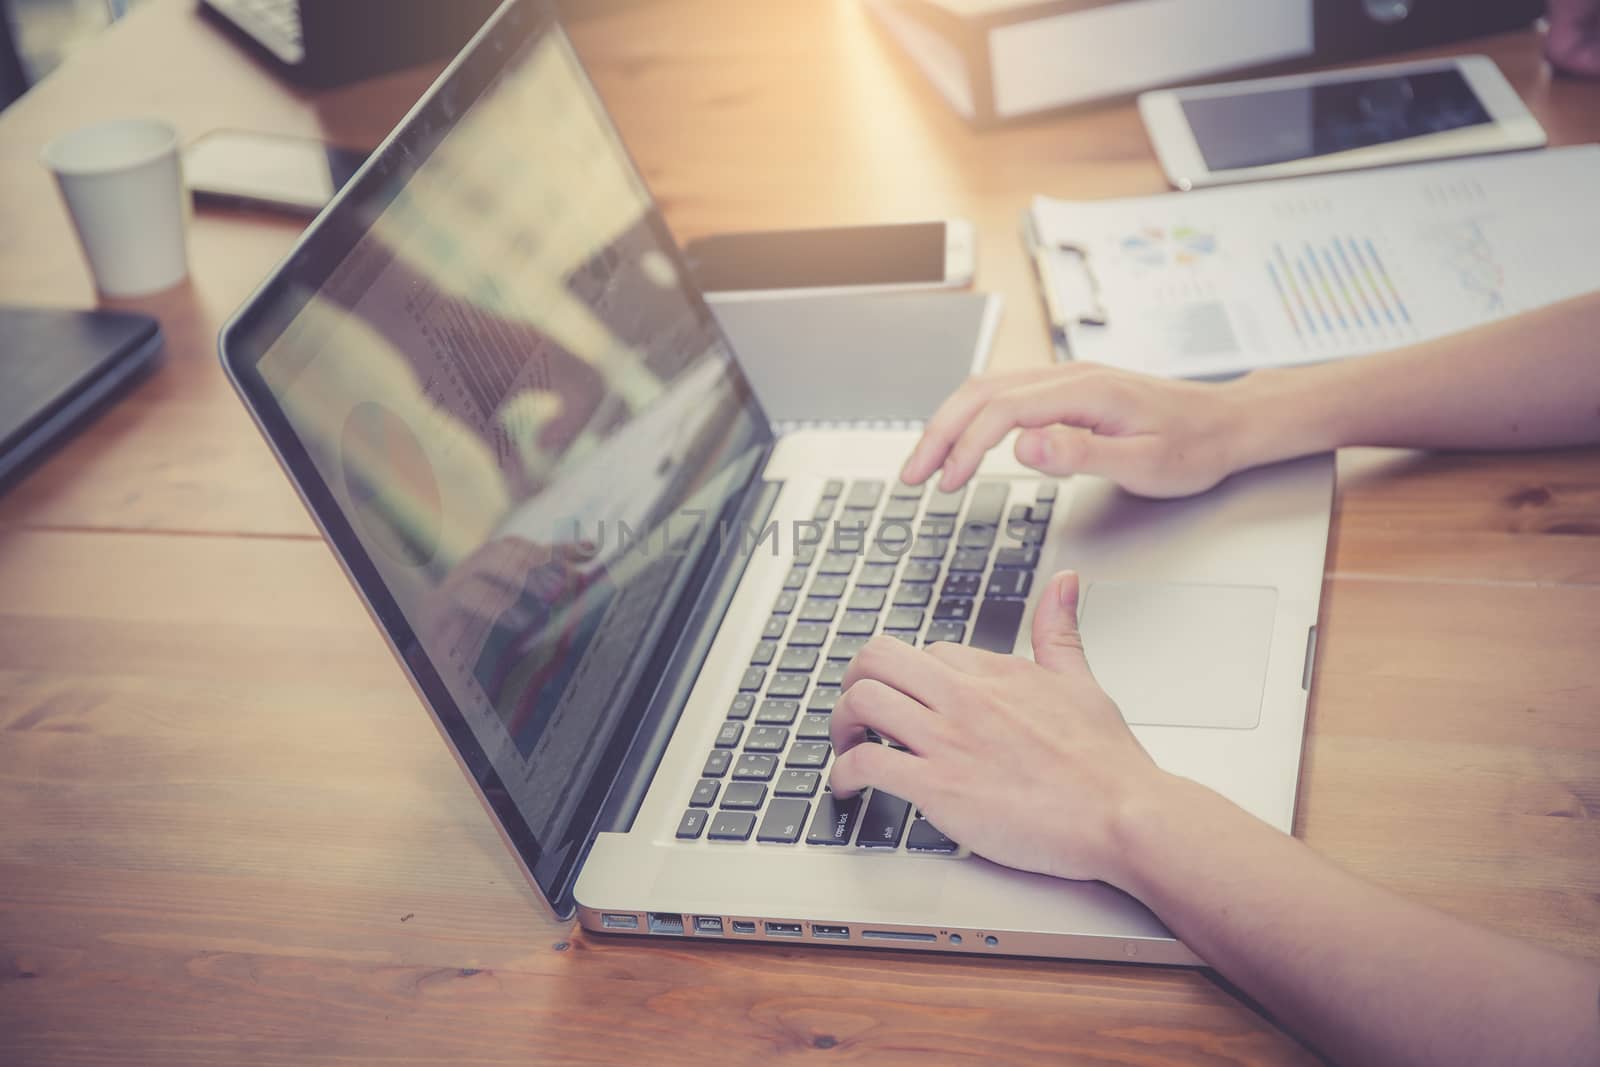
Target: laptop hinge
{"points": [[677, 665]]}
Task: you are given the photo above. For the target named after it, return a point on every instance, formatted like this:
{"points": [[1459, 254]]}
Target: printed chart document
{"points": [[1218, 282]]}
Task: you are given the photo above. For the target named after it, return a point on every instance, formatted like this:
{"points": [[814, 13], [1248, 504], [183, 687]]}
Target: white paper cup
{"points": [[124, 188]]}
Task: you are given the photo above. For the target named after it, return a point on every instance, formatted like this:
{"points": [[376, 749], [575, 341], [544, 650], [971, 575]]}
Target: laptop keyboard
{"points": [[909, 561]]}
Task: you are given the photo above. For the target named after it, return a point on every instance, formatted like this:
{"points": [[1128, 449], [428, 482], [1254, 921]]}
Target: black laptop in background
{"points": [[321, 43]]}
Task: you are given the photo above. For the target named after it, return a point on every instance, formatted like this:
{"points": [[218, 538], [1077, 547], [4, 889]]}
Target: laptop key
{"points": [[798, 659], [789, 684], [913, 595], [774, 627], [808, 633], [785, 602], [901, 491], [963, 584], [805, 555], [744, 796], [795, 579], [824, 509], [777, 712], [785, 821], [752, 678], [954, 609], [705, 794], [755, 767], [835, 820], [692, 824], [1025, 558], [875, 576], [732, 826], [1046, 491], [864, 494], [954, 632], [1009, 584], [824, 700], [937, 527], [865, 600], [970, 559], [814, 727], [997, 623], [920, 570], [797, 784], [988, 503], [717, 764], [742, 705], [809, 754], [930, 548], [883, 822], [945, 503], [1041, 512], [904, 619], [829, 586], [845, 647], [836, 563], [764, 651], [977, 535], [908, 637], [858, 624], [926, 837], [899, 509], [728, 736], [832, 487], [832, 672], [818, 610], [767, 739]]}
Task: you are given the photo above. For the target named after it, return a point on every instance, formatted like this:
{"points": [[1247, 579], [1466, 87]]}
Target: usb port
{"points": [[741, 926], [837, 933], [708, 924], [663, 923], [783, 930], [612, 921]]}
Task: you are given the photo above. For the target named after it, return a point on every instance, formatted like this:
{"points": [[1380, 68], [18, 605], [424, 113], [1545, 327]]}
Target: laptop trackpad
{"points": [[1172, 654]]}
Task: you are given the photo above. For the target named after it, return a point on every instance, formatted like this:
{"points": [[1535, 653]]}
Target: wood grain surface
{"points": [[230, 835]]}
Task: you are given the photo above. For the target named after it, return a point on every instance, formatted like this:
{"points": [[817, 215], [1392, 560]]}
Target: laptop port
{"points": [[783, 930], [662, 923], [895, 935], [612, 921], [708, 924], [740, 926], [837, 933]]}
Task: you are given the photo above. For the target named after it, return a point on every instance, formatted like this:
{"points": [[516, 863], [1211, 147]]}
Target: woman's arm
{"points": [[1528, 382], [998, 747]]}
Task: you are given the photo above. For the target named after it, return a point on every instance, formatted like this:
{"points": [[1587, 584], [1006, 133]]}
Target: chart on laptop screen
{"points": [[505, 368]]}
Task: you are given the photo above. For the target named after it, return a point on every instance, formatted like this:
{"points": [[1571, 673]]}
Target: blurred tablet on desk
{"points": [[57, 367]]}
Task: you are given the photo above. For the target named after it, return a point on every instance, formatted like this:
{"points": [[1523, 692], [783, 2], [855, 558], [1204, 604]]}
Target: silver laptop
{"points": [[629, 606]]}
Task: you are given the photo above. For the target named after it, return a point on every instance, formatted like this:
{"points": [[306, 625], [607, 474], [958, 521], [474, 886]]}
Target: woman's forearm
{"points": [[1365, 976], [1528, 382]]}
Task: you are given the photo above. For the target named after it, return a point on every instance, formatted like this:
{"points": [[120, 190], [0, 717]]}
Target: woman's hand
{"points": [[1152, 436], [1027, 763]]}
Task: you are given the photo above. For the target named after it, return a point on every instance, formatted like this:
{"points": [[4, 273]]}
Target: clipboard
{"points": [[1220, 282]]}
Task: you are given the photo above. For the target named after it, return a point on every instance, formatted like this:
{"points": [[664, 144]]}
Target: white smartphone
{"points": [[845, 259], [1341, 120], [296, 175]]}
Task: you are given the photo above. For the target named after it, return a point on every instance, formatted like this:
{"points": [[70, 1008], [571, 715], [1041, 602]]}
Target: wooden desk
{"points": [[230, 834]]}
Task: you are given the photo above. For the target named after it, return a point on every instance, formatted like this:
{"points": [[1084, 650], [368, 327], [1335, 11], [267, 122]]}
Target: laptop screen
{"points": [[522, 415]]}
